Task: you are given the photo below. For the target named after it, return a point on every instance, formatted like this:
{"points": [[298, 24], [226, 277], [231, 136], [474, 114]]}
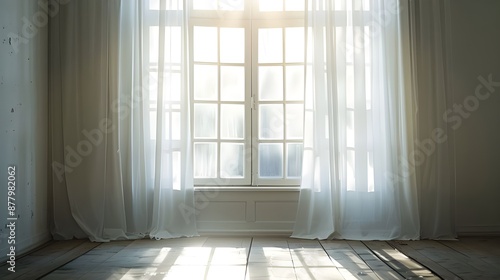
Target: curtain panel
{"points": [[366, 110], [434, 151], [117, 172]]}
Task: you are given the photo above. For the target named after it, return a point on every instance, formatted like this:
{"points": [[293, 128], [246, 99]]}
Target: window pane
{"points": [[309, 87], [205, 44], [367, 43], [294, 160], [271, 121], [295, 83], [232, 86], [153, 44], [173, 44], [361, 5], [176, 125], [232, 5], [205, 160], [154, 4], [351, 165], [271, 160], [232, 160], [366, 5], [205, 82], [368, 87], [349, 86], [371, 172], [171, 5], [270, 45], [270, 83], [294, 5], [294, 43], [166, 124], [339, 5], [176, 170], [152, 125], [232, 121], [205, 4], [294, 121], [152, 86], [232, 45], [350, 129], [349, 44], [171, 170], [205, 120], [172, 87], [271, 5]]}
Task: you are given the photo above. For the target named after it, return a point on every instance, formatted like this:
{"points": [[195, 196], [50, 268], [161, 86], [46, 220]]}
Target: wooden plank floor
{"points": [[48, 258], [249, 258]]}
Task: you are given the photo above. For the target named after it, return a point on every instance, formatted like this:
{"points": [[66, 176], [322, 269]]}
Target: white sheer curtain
{"points": [[359, 124], [434, 150], [120, 169]]}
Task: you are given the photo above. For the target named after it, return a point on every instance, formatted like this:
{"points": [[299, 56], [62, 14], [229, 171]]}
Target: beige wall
{"points": [[23, 123], [476, 52]]}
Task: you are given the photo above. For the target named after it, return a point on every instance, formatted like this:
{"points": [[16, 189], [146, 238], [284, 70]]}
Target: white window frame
{"points": [[246, 181], [267, 21], [251, 19]]}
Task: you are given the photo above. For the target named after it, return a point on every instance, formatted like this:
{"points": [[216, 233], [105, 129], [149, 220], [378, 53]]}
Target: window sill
{"points": [[248, 188]]}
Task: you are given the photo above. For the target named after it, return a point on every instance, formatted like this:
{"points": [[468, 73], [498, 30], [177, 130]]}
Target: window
{"points": [[246, 81], [247, 72], [244, 60]]}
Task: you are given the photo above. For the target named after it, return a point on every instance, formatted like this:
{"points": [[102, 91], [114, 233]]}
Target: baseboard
{"points": [[253, 233], [26, 245], [478, 231]]}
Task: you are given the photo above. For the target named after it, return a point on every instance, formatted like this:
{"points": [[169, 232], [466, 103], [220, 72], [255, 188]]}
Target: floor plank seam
{"points": [[291, 257], [326, 252], [379, 258], [248, 257], [73, 258], [456, 276], [434, 272], [361, 273], [453, 249]]}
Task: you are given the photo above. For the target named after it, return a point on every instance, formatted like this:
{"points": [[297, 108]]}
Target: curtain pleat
{"points": [[434, 150]]}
